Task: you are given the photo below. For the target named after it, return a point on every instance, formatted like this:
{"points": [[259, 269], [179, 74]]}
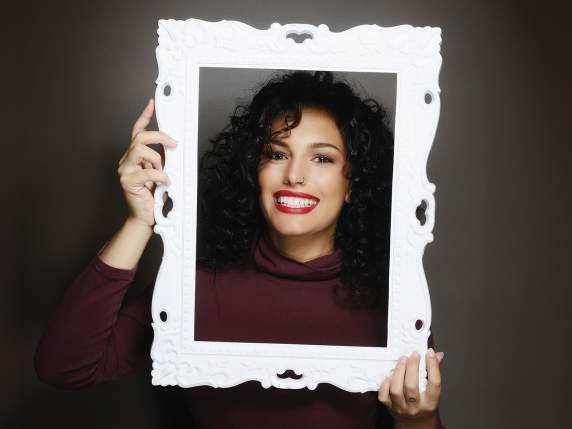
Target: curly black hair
{"points": [[230, 218]]}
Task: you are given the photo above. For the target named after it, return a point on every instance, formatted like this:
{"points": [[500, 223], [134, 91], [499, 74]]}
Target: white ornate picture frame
{"points": [[413, 54]]}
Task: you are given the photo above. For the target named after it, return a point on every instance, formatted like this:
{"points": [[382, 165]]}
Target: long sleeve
{"points": [[384, 418], [93, 337]]}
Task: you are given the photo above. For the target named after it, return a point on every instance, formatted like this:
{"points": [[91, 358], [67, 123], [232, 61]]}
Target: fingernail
{"points": [[431, 353], [402, 359]]}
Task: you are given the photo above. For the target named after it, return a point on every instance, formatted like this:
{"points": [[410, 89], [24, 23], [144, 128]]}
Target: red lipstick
{"points": [[294, 210]]}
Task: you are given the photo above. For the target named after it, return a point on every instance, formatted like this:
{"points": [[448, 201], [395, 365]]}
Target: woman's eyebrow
{"points": [[313, 145]]}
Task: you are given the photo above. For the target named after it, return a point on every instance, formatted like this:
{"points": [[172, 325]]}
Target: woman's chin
{"points": [[291, 231]]}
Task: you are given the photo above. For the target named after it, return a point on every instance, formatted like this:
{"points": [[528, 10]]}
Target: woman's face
{"points": [[315, 151]]}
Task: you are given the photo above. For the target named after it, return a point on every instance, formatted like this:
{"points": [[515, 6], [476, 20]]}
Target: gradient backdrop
{"points": [[77, 74]]}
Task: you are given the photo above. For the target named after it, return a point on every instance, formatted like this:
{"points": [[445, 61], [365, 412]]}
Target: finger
{"points": [[150, 137], [143, 119], [440, 356], [154, 137], [433, 390], [149, 184], [411, 386], [396, 386], [137, 156], [139, 178], [383, 393]]}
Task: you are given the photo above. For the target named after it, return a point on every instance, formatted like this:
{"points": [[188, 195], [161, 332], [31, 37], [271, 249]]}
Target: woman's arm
{"points": [[126, 247], [93, 337]]}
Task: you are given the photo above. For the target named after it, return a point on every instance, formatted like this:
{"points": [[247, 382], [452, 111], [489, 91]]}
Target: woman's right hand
{"points": [[141, 167]]}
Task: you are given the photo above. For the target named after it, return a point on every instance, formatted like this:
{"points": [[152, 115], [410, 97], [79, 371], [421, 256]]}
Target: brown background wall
{"points": [[77, 74]]}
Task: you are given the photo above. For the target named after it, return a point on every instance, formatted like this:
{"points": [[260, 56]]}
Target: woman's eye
{"points": [[273, 155], [323, 159]]}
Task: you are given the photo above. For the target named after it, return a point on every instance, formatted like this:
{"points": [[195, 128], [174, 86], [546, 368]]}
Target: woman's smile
{"points": [[295, 202]]}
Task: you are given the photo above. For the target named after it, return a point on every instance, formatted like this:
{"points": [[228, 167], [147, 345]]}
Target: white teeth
{"points": [[296, 202]]}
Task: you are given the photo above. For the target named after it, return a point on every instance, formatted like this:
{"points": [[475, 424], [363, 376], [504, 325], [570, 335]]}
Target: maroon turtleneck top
{"points": [[95, 337]]}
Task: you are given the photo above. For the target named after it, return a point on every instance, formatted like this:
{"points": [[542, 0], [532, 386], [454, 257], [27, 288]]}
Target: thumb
{"points": [[143, 119]]}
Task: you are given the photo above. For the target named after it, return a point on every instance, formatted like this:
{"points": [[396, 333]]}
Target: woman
{"points": [[297, 190]]}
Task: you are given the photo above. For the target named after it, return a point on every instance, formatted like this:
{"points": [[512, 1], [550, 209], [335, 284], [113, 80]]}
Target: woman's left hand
{"points": [[400, 392]]}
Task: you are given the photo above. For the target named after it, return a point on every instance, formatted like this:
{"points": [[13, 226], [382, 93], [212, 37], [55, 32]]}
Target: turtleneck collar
{"points": [[268, 258]]}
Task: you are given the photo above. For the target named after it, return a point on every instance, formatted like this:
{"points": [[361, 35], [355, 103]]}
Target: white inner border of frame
{"points": [[413, 53]]}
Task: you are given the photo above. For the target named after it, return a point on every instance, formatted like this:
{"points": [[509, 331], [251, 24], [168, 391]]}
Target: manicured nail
{"points": [[431, 353]]}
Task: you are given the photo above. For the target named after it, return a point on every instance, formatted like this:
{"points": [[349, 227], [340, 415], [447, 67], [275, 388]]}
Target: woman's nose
{"points": [[294, 174]]}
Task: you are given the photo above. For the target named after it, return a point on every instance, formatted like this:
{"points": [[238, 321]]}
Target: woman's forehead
{"points": [[322, 135], [307, 114]]}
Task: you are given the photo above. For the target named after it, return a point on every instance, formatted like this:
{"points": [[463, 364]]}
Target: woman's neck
{"points": [[303, 248]]}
